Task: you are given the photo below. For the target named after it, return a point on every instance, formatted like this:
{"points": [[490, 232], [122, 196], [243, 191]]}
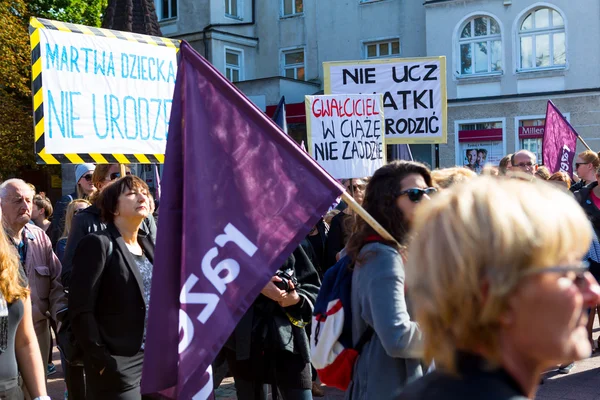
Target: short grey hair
{"points": [[11, 182]]}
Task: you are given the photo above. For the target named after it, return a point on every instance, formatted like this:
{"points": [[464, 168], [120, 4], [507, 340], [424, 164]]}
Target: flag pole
{"points": [[122, 170], [584, 143], [367, 217]]}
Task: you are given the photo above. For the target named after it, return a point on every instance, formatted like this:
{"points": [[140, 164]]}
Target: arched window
{"points": [[542, 40], [480, 46]]}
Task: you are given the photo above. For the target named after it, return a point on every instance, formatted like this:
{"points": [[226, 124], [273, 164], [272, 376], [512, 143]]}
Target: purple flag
{"points": [[238, 196], [559, 143]]}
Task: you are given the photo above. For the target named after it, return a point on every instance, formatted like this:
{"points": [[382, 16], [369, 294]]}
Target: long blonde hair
{"points": [[12, 284], [71, 208], [470, 247]]}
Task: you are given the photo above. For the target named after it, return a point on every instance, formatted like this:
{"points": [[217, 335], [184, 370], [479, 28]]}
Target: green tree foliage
{"points": [[16, 125], [85, 12], [16, 122]]}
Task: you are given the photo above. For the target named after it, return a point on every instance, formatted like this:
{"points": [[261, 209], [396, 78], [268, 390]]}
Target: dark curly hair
{"points": [[380, 202]]}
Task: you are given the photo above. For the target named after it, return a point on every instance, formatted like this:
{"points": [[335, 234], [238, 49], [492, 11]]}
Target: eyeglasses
{"points": [[116, 175], [578, 164], [577, 273], [357, 187], [416, 195], [88, 177], [525, 165]]}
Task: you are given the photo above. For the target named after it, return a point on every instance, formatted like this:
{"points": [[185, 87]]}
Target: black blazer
{"points": [[106, 302]]}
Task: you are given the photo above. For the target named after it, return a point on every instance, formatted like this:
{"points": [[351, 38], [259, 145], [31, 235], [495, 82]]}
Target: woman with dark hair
{"points": [[390, 358], [110, 293], [89, 220]]}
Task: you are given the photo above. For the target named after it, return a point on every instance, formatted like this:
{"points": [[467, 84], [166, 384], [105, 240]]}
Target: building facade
{"points": [[276, 48], [506, 59]]}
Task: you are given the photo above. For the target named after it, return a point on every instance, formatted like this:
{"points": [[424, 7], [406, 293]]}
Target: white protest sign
{"points": [[414, 94], [345, 134], [105, 95]]}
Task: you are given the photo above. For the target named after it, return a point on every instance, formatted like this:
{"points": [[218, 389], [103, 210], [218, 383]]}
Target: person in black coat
{"points": [[110, 293], [588, 198], [89, 220], [270, 344], [85, 188]]}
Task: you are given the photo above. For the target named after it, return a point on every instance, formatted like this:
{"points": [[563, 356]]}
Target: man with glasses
{"points": [[526, 161], [84, 188]]}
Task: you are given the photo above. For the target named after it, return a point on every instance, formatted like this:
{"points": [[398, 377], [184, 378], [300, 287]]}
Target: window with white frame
{"points": [[293, 64], [233, 64], [480, 47], [231, 8], [385, 48], [542, 40], [292, 7], [166, 9]]}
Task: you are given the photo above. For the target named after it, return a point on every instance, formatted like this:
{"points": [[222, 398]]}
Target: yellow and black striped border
{"points": [[38, 93]]}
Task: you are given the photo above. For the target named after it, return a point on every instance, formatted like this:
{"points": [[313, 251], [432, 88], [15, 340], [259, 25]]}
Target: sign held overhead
{"points": [[414, 94], [345, 133], [100, 95]]}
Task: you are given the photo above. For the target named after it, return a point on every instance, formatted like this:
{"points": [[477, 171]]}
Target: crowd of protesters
{"points": [[446, 306]]}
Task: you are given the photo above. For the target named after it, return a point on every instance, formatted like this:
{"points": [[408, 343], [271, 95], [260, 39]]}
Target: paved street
{"points": [[583, 383]]}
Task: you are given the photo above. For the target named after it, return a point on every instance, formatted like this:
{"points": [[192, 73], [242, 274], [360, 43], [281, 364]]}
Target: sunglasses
{"points": [[88, 177], [416, 195], [577, 272], [577, 165], [116, 175]]}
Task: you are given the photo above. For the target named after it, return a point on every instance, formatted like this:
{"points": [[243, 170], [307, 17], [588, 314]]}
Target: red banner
{"points": [[531, 132]]}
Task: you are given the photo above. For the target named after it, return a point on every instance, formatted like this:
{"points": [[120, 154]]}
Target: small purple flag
{"points": [[280, 116], [559, 143], [238, 196]]}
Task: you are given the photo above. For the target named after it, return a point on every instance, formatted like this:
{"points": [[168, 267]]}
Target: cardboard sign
{"points": [[414, 94], [345, 133], [100, 95]]}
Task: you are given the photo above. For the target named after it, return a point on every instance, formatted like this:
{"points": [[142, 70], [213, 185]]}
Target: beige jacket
{"points": [[43, 272]]}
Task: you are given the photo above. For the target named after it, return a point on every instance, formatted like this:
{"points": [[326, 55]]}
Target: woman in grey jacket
{"points": [[391, 358]]}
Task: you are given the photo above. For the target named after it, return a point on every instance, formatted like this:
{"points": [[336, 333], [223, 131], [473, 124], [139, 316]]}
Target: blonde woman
{"points": [[73, 208], [19, 348], [507, 264]]}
